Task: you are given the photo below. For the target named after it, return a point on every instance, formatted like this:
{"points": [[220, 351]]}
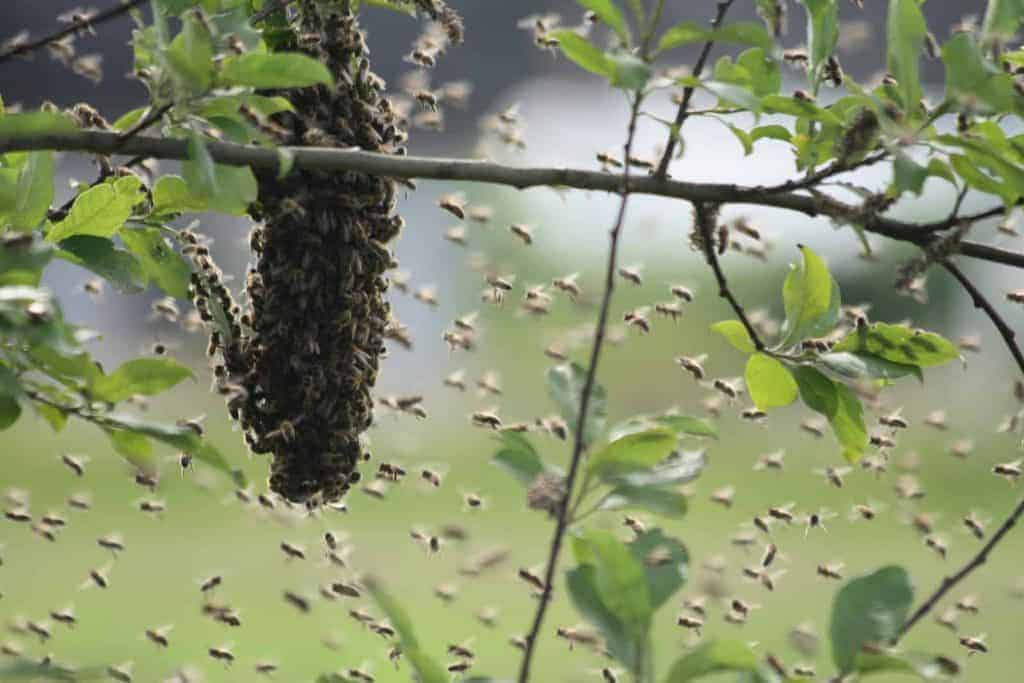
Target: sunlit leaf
{"points": [[277, 70], [584, 54], [636, 451], [811, 307], [770, 383], [900, 344], [34, 191], [608, 13], [906, 33], [822, 33], [518, 456], [100, 211], [146, 376], [863, 365], [620, 581], [736, 334], [190, 55], [117, 266], [713, 657], [660, 501], [565, 386], [167, 269]]}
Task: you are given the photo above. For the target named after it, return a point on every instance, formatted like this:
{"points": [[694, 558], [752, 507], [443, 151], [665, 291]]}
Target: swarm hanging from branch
{"points": [[307, 353]]}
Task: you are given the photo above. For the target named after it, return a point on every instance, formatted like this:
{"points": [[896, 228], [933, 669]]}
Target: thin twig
{"points": [[704, 219], [151, 117], [579, 444], [949, 582], [684, 106], [73, 27], [979, 300], [833, 169], [471, 170]]}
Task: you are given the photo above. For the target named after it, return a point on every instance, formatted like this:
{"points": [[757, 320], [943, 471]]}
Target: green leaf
{"points": [[972, 80], [10, 411], [620, 581], [733, 94], [171, 195], [54, 417], [100, 211], [770, 383], [678, 468], [690, 426], [182, 438], [636, 451], [146, 376], [808, 299], [162, 264], [190, 56], [608, 13], [660, 501], [426, 668], [584, 54], [229, 189], [900, 344], [629, 72], [565, 386], [906, 33], [1002, 19], [34, 191], [740, 33], [978, 180], [133, 447], [773, 131], [271, 71], [868, 610], [822, 34], [129, 119], [518, 456], [908, 175], [736, 334], [838, 404], [23, 264], [711, 657], [586, 599], [666, 564], [863, 365], [101, 256]]}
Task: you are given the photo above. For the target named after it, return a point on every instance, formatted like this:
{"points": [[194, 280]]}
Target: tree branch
{"points": [[470, 170], [73, 27], [684, 105], [705, 217], [979, 300], [579, 444]]}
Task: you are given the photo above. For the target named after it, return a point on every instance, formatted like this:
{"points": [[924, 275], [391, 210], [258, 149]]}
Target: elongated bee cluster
{"points": [[299, 363]]}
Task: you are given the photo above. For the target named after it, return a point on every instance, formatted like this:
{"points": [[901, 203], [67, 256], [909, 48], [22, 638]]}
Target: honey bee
{"points": [[815, 426], [634, 524], [446, 592], [459, 667], [832, 570], [431, 477], [80, 501], [631, 274], [1011, 471], [763, 524], [486, 418], [158, 636], [783, 513], [64, 616], [969, 604], [975, 525], [489, 383], [638, 318], [112, 542], [98, 577], [456, 380], [770, 552], [771, 461], [532, 579], [120, 672], [696, 604], [694, 366], [834, 475], [682, 293], [265, 667], [523, 232], [947, 619], [453, 204], [456, 235], [167, 309], [432, 543], [937, 544], [146, 480], [154, 507], [75, 463], [937, 419], [726, 388], [970, 343], [222, 653], [743, 540], [694, 624], [297, 601], [500, 285], [348, 590], [974, 644], [292, 551], [488, 616], [908, 488], [400, 280], [1016, 296], [753, 414], [473, 501], [961, 449], [567, 284], [893, 420], [607, 159], [426, 295], [724, 496], [576, 636]]}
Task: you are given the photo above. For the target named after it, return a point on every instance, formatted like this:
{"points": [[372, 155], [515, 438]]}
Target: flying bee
{"points": [[348, 590], [431, 542], [166, 308], [740, 607], [153, 507], [1016, 296], [726, 388], [375, 489], [489, 383], [607, 159], [488, 616], [974, 644], [454, 204], [297, 601], [1011, 471], [222, 653], [383, 630], [937, 419], [638, 318], [120, 672], [696, 604], [481, 214], [158, 636], [770, 552], [460, 666], [52, 519], [969, 604], [961, 449], [473, 501], [523, 232], [865, 511], [753, 414], [400, 280], [975, 525], [783, 513], [64, 616], [432, 477], [634, 524], [532, 579], [816, 520], [937, 544], [631, 274], [681, 292], [832, 570], [456, 235], [909, 488], [669, 309], [694, 624], [426, 295], [112, 542], [762, 524], [486, 418], [93, 287], [815, 426], [265, 667], [947, 619], [292, 551], [500, 285], [446, 592], [576, 636], [75, 463], [694, 366], [834, 475], [882, 442], [456, 380], [147, 481], [98, 577], [893, 420], [743, 540], [80, 501], [971, 342], [555, 425], [771, 461], [567, 284], [724, 496]]}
